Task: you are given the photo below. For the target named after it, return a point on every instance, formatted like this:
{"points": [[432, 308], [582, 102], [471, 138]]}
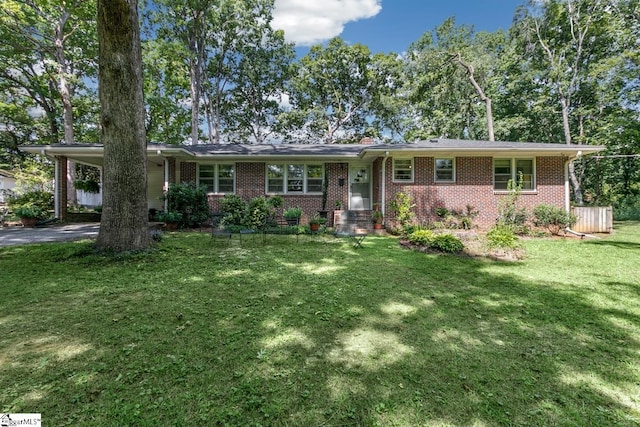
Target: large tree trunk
{"points": [[487, 101], [573, 177], [67, 106], [124, 225]]}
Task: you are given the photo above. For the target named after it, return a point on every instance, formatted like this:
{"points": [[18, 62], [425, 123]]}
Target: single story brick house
{"points": [[437, 172]]}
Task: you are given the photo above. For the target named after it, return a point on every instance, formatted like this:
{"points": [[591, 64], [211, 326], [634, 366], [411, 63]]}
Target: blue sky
{"points": [[384, 25]]}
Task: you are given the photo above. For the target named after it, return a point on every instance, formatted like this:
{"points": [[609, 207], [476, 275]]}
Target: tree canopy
{"points": [[216, 72]]}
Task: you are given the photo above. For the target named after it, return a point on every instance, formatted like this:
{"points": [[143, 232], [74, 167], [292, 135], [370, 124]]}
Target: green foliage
{"points": [[294, 212], [170, 216], [502, 237], [189, 200], [421, 237], [236, 210], [443, 242], [28, 210], [627, 209], [317, 219], [275, 201], [39, 201], [259, 212], [402, 206], [446, 242], [88, 185], [553, 218], [510, 214]]}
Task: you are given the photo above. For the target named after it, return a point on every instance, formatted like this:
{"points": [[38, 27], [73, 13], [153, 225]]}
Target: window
{"points": [[516, 170], [445, 170], [403, 170], [216, 178], [294, 178]]}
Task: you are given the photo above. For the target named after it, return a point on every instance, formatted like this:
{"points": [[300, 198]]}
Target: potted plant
{"points": [[292, 215], [29, 214], [171, 219], [316, 221], [377, 217]]}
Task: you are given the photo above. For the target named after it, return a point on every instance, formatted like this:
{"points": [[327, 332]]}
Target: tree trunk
{"points": [[67, 107], [124, 225], [487, 101], [573, 177]]}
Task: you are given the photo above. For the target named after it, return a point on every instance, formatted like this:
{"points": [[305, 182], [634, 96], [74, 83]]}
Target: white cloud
{"points": [[307, 22]]}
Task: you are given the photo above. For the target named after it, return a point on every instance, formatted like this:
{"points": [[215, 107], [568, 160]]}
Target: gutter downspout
{"points": [[383, 185]]}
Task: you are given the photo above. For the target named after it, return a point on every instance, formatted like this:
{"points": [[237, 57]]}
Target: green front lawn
{"points": [[317, 333]]}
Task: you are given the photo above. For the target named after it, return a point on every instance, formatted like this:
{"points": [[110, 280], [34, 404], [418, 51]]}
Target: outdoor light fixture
{"points": [[341, 182]]}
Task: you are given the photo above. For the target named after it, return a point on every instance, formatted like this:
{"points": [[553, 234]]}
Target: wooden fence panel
{"points": [[593, 219]]}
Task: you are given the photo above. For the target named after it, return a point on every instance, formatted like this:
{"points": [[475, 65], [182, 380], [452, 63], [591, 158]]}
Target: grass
{"points": [[317, 333]]}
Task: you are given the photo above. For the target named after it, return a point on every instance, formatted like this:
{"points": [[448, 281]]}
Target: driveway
{"points": [[55, 233]]}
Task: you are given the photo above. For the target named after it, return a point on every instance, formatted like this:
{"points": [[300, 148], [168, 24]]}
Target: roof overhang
{"points": [[453, 148], [93, 154]]}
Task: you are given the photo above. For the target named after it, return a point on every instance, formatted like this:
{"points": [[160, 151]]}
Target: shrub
{"points": [[236, 210], [292, 213], [509, 213], [28, 210], [447, 243], [421, 237], [502, 237], [190, 201], [259, 212], [402, 206], [553, 218], [627, 208], [38, 200], [170, 216]]}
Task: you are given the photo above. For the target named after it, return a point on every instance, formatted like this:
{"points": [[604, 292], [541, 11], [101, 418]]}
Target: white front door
{"points": [[359, 188]]}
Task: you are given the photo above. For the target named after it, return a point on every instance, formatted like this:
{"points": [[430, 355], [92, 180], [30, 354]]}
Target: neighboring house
{"points": [[438, 172], [7, 183]]}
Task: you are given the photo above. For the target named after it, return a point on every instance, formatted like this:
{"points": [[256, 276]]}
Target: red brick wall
{"points": [[474, 187], [172, 169], [251, 182], [62, 187], [188, 171]]}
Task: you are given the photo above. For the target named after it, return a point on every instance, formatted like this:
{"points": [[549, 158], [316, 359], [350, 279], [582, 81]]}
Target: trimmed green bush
{"points": [[447, 243], [553, 218], [502, 237], [190, 201], [421, 237], [236, 210]]}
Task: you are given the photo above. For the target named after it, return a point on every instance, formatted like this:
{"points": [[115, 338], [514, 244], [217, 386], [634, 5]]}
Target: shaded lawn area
{"points": [[317, 333]]}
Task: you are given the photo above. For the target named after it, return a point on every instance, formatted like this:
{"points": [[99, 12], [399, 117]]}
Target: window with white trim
{"points": [[294, 178], [445, 169], [403, 170], [217, 178], [520, 171]]}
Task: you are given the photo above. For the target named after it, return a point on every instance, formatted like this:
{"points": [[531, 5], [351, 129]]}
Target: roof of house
{"points": [[92, 153]]}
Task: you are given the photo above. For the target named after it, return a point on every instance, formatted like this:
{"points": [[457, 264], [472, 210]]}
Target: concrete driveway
{"points": [[55, 233]]}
